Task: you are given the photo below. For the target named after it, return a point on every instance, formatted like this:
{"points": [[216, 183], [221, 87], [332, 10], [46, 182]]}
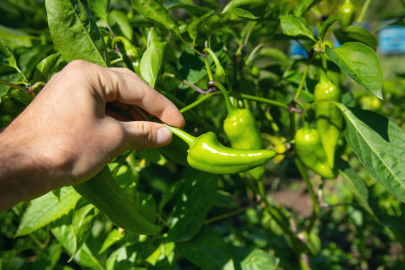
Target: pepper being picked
{"points": [[207, 154], [308, 148], [241, 129], [348, 10], [329, 118]]}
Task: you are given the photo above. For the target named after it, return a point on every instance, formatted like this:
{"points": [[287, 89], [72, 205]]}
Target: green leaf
{"points": [[48, 258], [116, 17], [122, 259], [224, 199], [256, 7], [10, 61], [207, 250], [356, 33], [146, 206], [99, 8], [247, 259], [62, 229], [356, 185], [295, 27], [46, 209], [194, 200], [154, 11], [195, 26], [48, 67], [186, 5], [379, 144], [328, 23], [112, 238], [165, 250], [28, 58], [303, 6], [83, 220], [169, 194], [14, 38], [274, 54], [74, 32], [230, 17], [152, 61], [361, 63]]}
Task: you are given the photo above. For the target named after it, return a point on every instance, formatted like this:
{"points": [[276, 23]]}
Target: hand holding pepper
{"points": [[66, 135]]}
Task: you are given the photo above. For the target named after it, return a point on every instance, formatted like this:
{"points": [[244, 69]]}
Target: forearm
{"points": [[22, 177]]}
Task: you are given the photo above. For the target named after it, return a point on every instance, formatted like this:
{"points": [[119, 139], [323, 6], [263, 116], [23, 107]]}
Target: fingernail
{"points": [[163, 136]]}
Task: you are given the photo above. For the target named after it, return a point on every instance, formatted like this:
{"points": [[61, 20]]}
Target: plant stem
{"points": [[189, 139], [311, 191], [236, 95], [304, 77], [230, 214], [198, 101], [292, 124], [363, 12], [252, 54], [15, 86], [322, 100], [208, 69], [214, 57], [228, 103], [241, 46], [116, 61]]}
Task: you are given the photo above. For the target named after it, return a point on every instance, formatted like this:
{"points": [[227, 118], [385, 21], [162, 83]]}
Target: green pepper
{"points": [[104, 193], [254, 71], [308, 148], [131, 51], [329, 119], [348, 10], [241, 129], [219, 70], [207, 154]]}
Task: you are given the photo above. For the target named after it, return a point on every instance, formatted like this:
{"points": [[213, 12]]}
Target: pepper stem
{"points": [[323, 76], [214, 57], [189, 139], [228, 103]]}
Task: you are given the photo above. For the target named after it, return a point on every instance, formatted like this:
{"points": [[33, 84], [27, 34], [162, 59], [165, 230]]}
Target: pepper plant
{"points": [[254, 115]]}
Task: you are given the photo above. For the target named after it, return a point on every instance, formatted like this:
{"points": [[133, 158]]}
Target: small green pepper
{"points": [[254, 71], [207, 154], [241, 129], [309, 149], [131, 51], [348, 10], [329, 119], [219, 70], [104, 193]]}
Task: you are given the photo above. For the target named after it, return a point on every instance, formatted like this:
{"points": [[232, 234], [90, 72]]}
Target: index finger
{"points": [[129, 88]]}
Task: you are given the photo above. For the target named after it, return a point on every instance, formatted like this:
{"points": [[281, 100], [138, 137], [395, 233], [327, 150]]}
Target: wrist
{"points": [[22, 174]]}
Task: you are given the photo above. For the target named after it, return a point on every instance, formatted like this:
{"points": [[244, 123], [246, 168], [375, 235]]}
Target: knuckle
{"points": [[147, 136]]}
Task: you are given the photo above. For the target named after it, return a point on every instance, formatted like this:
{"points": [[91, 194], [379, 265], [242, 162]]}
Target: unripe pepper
{"points": [[219, 70], [207, 154], [241, 129], [131, 51], [254, 71], [348, 10], [308, 148], [329, 118]]}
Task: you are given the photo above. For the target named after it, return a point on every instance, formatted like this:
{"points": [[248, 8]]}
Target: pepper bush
{"points": [[211, 221]]}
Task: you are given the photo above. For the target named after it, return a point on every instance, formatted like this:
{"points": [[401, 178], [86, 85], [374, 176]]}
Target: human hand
{"points": [[66, 135]]}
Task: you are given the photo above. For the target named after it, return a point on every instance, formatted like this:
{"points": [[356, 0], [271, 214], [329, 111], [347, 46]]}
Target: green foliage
{"points": [[293, 218]]}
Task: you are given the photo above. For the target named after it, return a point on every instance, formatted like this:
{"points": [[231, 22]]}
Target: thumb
{"points": [[144, 135]]}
